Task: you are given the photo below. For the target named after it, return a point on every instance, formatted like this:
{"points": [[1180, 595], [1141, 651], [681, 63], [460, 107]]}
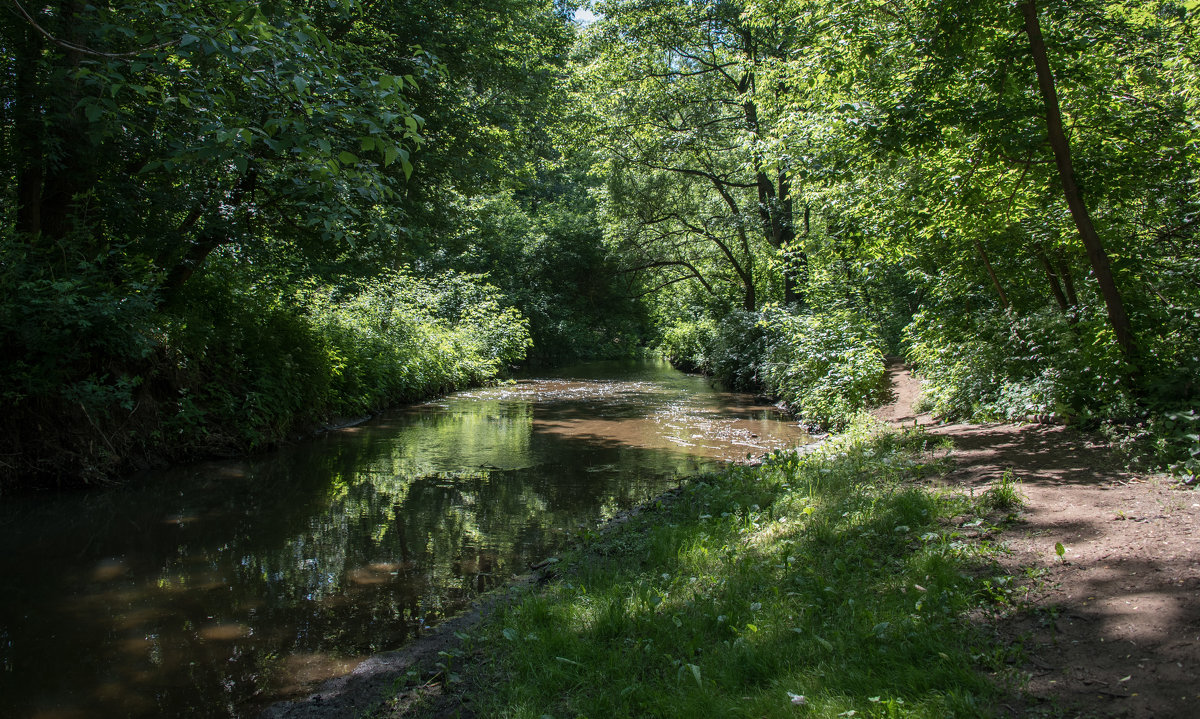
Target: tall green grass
{"points": [[827, 585]]}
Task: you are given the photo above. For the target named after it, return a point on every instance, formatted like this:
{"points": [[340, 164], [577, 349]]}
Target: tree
{"points": [[173, 130], [687, 132], [1098, 258]]}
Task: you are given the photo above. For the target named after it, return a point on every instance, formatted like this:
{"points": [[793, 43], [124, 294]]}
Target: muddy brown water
{"points": [[211, 589]]}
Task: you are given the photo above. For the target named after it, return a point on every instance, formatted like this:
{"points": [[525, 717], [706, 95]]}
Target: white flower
{"points": [[798, 699]]}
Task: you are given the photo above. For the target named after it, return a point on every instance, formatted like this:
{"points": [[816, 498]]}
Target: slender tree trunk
{"points": [[787, 236], [801, 258], [987, 263], [1117, 317], [1052, 279], [193, 259], [774, 207], [1064, 272]]}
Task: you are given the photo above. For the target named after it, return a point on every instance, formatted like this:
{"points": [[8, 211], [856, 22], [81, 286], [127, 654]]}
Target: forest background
{"points": [[229, 222]]}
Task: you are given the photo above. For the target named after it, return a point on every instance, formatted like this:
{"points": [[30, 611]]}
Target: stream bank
{"points": [[215, 588], [1111, 628]]}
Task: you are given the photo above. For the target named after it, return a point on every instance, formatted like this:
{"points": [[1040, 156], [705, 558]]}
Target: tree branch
{"points": [[80, 48]]}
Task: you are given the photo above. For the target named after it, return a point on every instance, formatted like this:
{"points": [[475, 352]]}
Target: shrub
{"points": [[265, 359], [729, 349], [1003, 366], [687, 344], [825, 365]]}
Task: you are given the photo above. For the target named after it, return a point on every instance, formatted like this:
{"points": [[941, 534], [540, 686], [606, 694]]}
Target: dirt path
{"points": [[1112, 629]]}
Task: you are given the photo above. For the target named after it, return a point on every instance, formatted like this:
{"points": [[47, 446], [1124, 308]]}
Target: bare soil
{"points": [[1112, 628]]}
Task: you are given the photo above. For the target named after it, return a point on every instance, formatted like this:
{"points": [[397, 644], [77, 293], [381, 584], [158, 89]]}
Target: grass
{"points": [[828, 585]]}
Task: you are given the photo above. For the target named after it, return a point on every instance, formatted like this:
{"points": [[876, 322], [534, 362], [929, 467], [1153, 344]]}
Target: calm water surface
{"points": [[211, 589]]}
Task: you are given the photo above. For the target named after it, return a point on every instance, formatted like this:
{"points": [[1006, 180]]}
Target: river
{"points": [[211, 589]]}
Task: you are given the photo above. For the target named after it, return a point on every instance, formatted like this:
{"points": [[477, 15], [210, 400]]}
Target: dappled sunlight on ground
{"points": [[1113, 628]]}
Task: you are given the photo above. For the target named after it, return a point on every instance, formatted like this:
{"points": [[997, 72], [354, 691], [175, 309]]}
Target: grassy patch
{"points": [[820, 586]]}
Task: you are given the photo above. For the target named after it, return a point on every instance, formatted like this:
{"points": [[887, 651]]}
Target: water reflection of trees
{"points": [[228, 573]]}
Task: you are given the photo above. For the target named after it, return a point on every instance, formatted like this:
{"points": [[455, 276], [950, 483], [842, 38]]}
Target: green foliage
{"points": [[735, 356], [551, 263], [1002, 366], [822, 584], [81, 326], [242, 361], [730, 349], [1167, 439], [688, 343], [825, 365], [263, 359], [205, 200]]}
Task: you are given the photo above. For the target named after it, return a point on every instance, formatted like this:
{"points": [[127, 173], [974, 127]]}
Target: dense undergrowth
{"points": [[1045, 365], [983, 365], [824, 366], [107, 379], [830, 584]]}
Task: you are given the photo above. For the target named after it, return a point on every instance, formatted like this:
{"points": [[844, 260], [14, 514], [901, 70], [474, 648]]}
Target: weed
{"points": [[1005, 495]]}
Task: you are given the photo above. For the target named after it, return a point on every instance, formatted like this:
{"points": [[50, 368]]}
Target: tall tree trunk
{"points": [[1117, 317]]}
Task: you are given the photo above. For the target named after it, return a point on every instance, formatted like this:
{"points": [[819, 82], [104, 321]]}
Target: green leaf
{"points": [[389, 155], [696, 673], [300, 83], [347, 158]]}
